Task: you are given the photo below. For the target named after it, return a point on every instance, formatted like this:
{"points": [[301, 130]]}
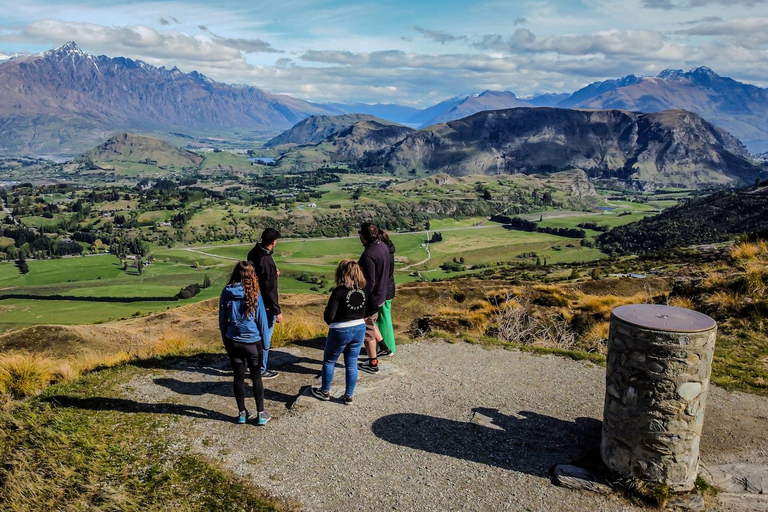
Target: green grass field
{"points": [[477, 241]]}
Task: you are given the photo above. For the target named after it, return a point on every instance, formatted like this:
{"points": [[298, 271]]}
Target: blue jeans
{"points": [[349, 341], [266, 342]]}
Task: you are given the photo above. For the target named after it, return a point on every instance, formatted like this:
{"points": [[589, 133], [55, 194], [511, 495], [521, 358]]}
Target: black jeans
{"points": [[238, 354]]}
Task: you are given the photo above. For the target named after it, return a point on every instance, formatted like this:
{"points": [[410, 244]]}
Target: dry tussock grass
{"points": [[755, 275], [723, 299], [604, 304], [22, 376], [595, 339], [298, 328], [682, 302], [749, 250], [715, 280]]}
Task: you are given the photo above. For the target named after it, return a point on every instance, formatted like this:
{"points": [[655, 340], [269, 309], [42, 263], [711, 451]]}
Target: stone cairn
{"points": [[657, 381]]}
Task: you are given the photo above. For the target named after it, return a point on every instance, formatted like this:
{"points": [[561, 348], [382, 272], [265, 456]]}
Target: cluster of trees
{"points": [[528, 225], [721, 216], [29, 243], [594, 226]]}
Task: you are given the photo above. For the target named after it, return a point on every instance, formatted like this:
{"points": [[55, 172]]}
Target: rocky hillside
{"points": [[363, 137], [127, 147], [65, 101], [672, 147], [716, 218], [741, 109], [315, 129]]}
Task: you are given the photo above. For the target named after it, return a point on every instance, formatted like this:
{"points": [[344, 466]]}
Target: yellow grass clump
{"points": [[298, 328], [606, 303], [22, 376], [682, 302], [595, 339], [749, 250], [723, 299], [715, 280]]}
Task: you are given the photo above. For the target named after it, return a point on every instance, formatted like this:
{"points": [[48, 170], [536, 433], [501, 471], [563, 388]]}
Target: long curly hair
{"points": [[245, 274]]}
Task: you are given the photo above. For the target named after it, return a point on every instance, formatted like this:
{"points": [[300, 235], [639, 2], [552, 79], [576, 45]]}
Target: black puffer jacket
{"points": [[266, 272]]}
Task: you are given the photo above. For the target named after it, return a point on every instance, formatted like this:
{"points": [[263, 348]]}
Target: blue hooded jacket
{"points": [[234, 324]]}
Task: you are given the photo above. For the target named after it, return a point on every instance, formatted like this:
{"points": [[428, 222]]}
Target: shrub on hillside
{"points": [[189, 291]]}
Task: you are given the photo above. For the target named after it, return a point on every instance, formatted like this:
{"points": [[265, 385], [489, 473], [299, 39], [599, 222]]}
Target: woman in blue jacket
{"points": [[243, 326]]}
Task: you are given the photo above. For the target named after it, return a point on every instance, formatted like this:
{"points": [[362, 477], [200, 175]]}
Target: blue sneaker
{"points": [[243, 418], [261, 418]]}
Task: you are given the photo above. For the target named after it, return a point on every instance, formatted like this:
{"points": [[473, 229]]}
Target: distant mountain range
{"points": [[673, 147], [64, 101]]}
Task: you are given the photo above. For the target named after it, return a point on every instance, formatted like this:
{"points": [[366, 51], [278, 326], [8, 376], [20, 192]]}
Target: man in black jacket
{"points": [[267, 272], [375, 263]]}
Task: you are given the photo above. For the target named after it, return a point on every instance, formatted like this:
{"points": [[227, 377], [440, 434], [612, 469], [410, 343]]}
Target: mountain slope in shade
{"points": [[64, 100], [315, 129], [672, 147], [739, 108], [354, 142], [488, 100], [128, 147]]}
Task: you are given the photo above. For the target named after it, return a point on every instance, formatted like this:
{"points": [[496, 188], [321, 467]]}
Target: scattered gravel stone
{"points": [[406, 442]]}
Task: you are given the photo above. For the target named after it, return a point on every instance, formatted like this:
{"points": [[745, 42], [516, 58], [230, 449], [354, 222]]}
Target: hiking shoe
{"points": [[321, 395], [269, 374], [368, 367], [384, 352], [262, 418], [243, 418], [348, 400]]}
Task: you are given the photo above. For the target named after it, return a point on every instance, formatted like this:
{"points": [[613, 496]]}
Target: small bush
{"points": [[189, 291]]}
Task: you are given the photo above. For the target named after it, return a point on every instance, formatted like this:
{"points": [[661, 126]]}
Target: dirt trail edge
{"points": [[406, 442]]}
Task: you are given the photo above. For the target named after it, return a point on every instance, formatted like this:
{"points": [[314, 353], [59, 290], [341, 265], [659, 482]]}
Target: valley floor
{"points": [[406, 443]]}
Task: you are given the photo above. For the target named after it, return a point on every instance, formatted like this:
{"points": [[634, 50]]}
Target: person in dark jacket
{"points": [[375, 264], [384, 319], [349, 304], [243, 326], [267, 272]]}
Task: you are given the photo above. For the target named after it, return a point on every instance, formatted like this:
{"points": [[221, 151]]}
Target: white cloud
{"points": [[438, 35], [613, 42]]}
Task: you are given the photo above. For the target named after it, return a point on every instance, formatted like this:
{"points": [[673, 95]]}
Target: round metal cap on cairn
{"points": [[657, 381]]}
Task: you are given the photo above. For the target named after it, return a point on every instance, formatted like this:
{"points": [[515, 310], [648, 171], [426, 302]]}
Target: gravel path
{"points": [[406, 443]]}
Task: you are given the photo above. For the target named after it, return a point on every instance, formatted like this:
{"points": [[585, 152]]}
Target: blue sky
{"points": [[415, 52]]}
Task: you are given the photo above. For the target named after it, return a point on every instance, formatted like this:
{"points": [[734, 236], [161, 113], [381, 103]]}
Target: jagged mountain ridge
{"points": [[670, 147], [741, 109], [67, 99], [487, 100]]}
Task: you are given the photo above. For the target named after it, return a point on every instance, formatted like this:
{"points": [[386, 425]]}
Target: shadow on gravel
{"points": [[123, 405], [217, 365], [220, 389], [527, 442]]}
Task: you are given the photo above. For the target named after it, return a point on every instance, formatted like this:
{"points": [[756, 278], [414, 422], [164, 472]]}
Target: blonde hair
{"points": [[350, 275]]}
